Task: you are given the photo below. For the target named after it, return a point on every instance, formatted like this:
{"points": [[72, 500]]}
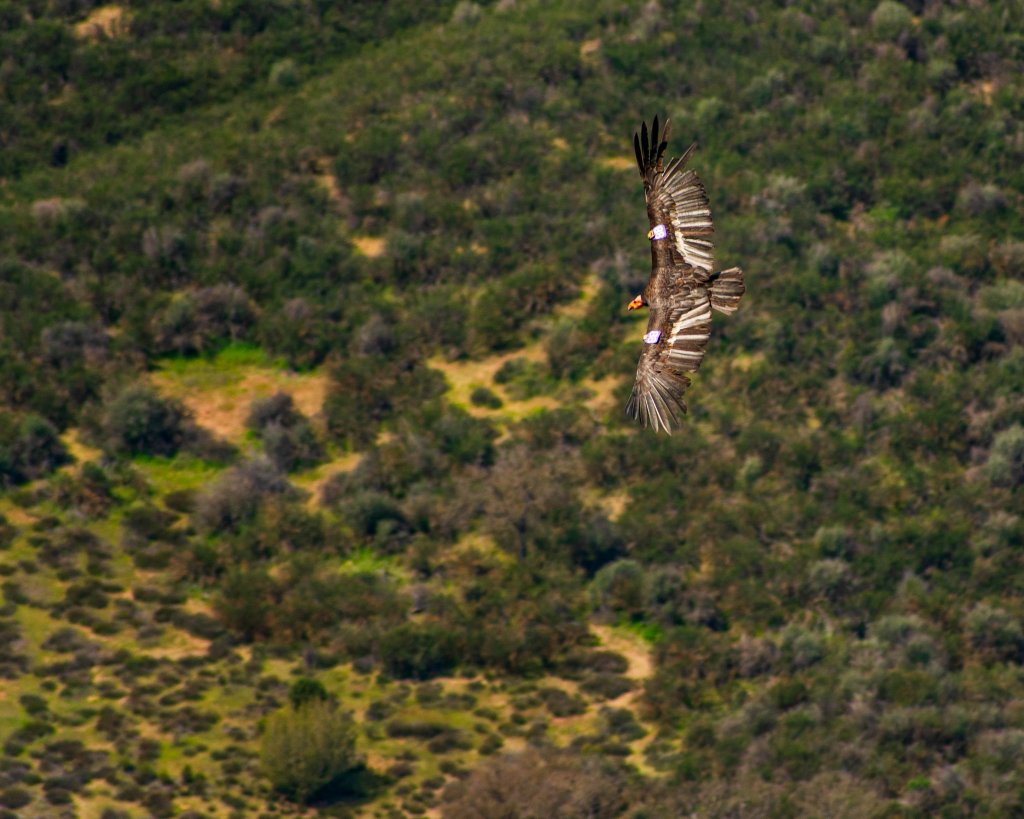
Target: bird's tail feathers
{"points": [[727, 288]]}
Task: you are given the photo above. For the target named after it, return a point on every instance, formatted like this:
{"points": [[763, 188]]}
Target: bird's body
{"points": [[682, 289]]}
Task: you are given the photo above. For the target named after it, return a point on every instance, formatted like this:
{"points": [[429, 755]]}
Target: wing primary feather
{"points": [[664, 138], [654, 137], [644, 143], [639, 156]]}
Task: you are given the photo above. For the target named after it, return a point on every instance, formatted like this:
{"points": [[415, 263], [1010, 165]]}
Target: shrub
{"points": [[29, 448], [890, 19], [15, 797], [1005, 465], [292, 448], [419, 651], [139, 421], [236, 496], [830, 578], [306, 749], [305, 690], [201, 320], [277, 409], [801, 647], [994, 633], [619, 587], [284, 74], [483, 397], [540, 783]]}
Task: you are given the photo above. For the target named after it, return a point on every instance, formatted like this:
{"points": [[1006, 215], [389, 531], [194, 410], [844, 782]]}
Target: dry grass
{"points": [[638, 655], [329, 182], [630, 646], [78, 450], [106, 21], [371, 246], [465, 376], [618, 163], [222, 405]]}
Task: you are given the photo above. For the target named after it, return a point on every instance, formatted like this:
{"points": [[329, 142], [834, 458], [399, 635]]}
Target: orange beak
{"points": [[636, 304]]}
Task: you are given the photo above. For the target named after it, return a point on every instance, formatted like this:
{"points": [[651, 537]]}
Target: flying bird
{"points": [[682, 289]]}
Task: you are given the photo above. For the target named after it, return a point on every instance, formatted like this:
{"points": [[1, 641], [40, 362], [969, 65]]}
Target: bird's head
{"points": [[637, 303]]}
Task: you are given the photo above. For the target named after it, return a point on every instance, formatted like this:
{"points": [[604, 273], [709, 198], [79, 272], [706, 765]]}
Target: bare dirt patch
{"points": [[618, 163], [633, 648], [223, 408], [106, 21], [371, 246]]}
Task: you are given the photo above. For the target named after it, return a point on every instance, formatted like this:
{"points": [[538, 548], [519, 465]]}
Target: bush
{"points": [[201, 320], [277, 409], [306, 749], [419, 651], [619, 588], [1005, 465], [139, 421], [483, 397], [540, 783], [890, 19], [284, 74], [15, 797], [29, 448], [292, 448], [994, 633], [305, 690], [236, 496]]}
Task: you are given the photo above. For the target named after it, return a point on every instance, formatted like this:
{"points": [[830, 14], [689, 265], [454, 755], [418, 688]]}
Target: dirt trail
{"points": [[641, 667]]}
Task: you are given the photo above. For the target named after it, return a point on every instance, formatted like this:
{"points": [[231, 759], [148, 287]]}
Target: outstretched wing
{"points": [[676, 199], [676, 339]]}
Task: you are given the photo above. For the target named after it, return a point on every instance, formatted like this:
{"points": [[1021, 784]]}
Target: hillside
{"points": [[313, 354]]}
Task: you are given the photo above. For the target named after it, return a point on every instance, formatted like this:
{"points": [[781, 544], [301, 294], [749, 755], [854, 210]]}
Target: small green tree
{"points": [[305, 690], [1005, 465], [139, 421], [307, 748]]}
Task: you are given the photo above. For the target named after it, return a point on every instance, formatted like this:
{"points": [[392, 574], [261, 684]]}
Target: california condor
{"points": [[682, 289]]}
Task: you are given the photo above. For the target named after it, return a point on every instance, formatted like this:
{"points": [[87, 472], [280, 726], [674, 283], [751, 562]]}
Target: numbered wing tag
{"points": [[659, 232], [652, 337]]}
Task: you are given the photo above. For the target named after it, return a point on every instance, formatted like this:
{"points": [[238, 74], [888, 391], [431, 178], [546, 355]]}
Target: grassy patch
{"points": [[220, 390]]}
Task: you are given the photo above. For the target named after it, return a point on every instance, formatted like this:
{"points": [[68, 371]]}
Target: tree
{"points": [[139, 421], [306, 749]]}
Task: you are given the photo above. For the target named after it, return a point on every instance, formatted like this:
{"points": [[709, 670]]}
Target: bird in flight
{"points": [[682, 289]]}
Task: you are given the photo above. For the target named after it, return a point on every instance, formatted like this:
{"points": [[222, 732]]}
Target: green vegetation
{"points": [[317, 491], [307, 748]]}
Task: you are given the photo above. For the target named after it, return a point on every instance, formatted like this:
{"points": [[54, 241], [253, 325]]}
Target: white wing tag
{"points": [[659, 232], [652, 337]]}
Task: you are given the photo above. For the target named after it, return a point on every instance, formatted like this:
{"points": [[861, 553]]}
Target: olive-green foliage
{"points": [[1005, 466], [307, 748], [305, 690], [825, 559], [288, 438], [139, 421], [29, 448]]}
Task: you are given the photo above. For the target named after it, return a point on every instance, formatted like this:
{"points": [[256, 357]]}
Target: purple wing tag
{"points": [[659, 232], [652, 337]]}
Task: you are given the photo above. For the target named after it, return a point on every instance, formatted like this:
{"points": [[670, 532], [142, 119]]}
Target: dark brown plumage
{"points": [[682, 289]]}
